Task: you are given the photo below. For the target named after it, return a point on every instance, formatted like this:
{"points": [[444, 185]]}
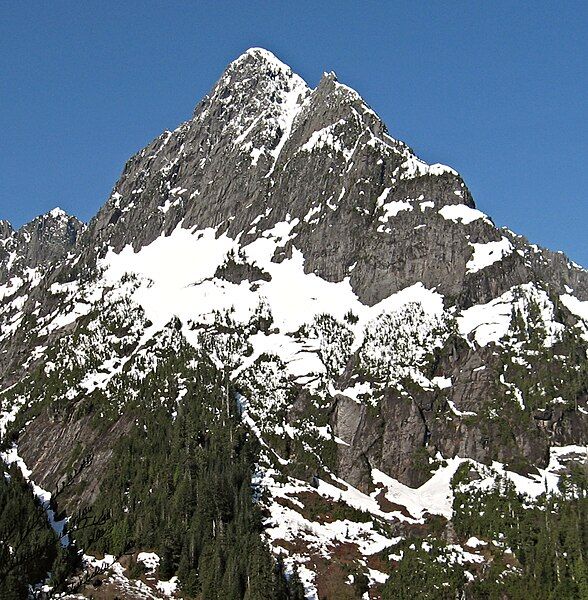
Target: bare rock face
{"points": [[46, 239], [6, 230], [385, 439], [264, 143]]}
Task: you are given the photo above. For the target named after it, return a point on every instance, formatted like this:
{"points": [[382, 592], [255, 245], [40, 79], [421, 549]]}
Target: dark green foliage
{"points": [[182, 486], [536, 550], [548, 539], [543, 372], [351, 317], [423, 574], [296, 589], [493, 514], [316, 507], [28, 546]]}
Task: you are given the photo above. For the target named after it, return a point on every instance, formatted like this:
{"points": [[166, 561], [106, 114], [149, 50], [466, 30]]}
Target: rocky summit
{"points": [[290, 359]]}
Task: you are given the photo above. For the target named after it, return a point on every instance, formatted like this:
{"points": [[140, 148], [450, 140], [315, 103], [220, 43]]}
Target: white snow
{"points": [[314, 210], [376, 576], [415, 167], [434, 497], [442, 382], [487, 254], [463, 213], [457, 412], [255, 154], [175, 269], [474, 542], [357, 390], [382, 197], [13, 285], [62, 320], [439, 169], [327, 137], [57, 213], [490, 322], [99, 563], [575, 306], [578, 308], [301, 360], [11, 457], [169, 203], [269, 57], [8, 413], [168, 588], [391, 209], [150, 559], [178, 270]]}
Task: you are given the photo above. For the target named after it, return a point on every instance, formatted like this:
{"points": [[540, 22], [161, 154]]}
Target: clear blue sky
{"points": [[498, 90]]}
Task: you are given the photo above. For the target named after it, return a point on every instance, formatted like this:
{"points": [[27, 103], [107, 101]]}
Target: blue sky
{"points": [[498, 90]]}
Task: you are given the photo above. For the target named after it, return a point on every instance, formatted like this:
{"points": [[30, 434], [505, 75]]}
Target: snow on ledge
{"points": [[433, 497], [575, 306], [579, 309], [150, 559], [177, 279], [463, 213], [57, 213], [442, 382], [168, 588], [491, 321], [487, 254]]}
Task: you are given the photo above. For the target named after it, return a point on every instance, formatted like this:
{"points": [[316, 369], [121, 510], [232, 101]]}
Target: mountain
{"points": [[285, 330], [46, 239]]}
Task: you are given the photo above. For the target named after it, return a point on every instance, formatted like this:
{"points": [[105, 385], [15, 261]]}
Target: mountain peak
{"points": [[57, 213], [255, 84], [54, 228], [58, 216], [6, 229], [330, 76], [262, 65], [46, 238], [261, 56]]}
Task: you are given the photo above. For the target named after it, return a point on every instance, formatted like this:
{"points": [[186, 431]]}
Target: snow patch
{"points": [[487, 254], [462, 213]]}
